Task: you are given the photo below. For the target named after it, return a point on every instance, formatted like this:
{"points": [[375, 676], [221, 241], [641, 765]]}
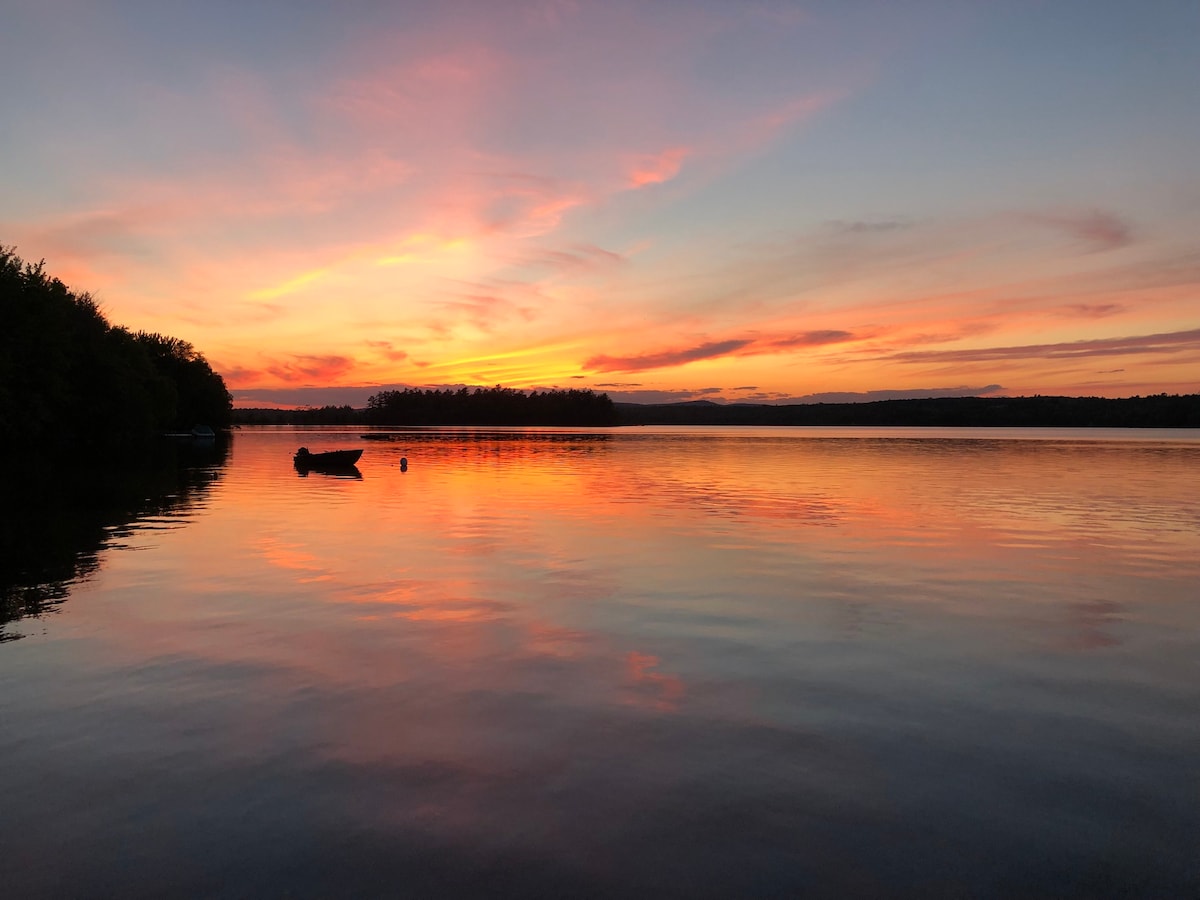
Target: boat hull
{"points": [[326, 459]]}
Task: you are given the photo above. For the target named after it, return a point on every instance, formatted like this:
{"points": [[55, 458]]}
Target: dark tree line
{"points": [[1156, 411], [324, 415], [73, 384], [464, 406], [480, 407], [489, 406]]}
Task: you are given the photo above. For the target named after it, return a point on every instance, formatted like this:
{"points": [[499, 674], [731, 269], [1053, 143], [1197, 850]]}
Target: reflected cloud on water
{"points": [[623, 665]]}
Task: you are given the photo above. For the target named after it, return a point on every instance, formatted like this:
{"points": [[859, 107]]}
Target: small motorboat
{"points": [[327, 459]]}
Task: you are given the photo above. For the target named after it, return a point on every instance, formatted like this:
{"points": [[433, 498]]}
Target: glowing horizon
{"points": [[754, 202]]}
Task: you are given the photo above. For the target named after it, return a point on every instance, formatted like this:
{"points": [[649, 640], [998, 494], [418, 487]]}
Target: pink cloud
{"points": [[438, 85], [482, 310], [764, 128], [798, 110], [656, 169], [418, 125], [519, 205]]}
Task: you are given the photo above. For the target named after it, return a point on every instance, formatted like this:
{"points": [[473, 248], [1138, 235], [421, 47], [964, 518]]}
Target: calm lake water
{"points": [[627, 663]]}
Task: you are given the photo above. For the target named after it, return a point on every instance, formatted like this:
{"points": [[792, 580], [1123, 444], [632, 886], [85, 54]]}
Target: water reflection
{"points": [[350, 472], [628, 664], [57, 522]]}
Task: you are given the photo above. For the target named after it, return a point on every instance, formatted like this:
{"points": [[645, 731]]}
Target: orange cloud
{"points": [[388, 351], [296, 369]]}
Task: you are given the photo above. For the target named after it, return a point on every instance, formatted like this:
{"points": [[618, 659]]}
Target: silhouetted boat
{"points": [[328, 459]]}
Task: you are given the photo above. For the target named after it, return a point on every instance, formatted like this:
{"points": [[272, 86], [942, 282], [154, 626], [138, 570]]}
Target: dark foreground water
{"points": [[632, 663]]}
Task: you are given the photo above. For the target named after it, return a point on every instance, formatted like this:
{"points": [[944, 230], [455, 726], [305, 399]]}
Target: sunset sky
{"points": [[750, 200]]}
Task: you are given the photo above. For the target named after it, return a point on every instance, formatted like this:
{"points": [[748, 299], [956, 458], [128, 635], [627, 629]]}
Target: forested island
{"points": [[464, 406], [74, 386], [504, 406]]}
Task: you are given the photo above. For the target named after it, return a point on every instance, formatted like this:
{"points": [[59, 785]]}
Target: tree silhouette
{"points": [[200, 394], [72, 384], [489, 406]]}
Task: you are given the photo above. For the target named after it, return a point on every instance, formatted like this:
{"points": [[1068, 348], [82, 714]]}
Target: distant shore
{"points": [[1156, 411]]}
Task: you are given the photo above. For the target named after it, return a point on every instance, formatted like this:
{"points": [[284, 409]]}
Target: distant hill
{"points": [[1157, 411]]}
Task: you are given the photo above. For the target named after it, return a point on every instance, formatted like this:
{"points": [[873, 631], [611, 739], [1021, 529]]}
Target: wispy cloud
{"points": [[873, 226], [1168, 343], [792, 113], [483, 311], [747, 346], [1097, 229], [1095, 310], [803, 339], [573, 258], [664, 358]]}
